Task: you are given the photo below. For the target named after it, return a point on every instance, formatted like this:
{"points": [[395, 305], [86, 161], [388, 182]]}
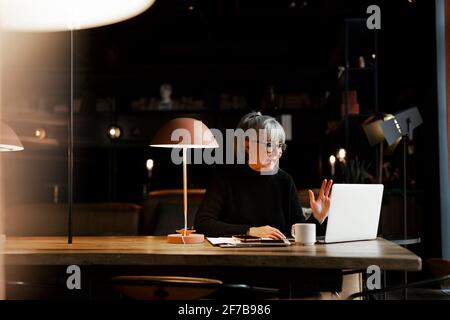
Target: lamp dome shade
{"points": [[184, 133], [61, 15], [8, 139]]}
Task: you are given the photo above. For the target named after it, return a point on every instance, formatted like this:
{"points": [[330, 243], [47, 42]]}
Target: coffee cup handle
{"points": [[293, 231]]}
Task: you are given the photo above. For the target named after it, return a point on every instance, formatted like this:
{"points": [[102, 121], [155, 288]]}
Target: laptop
{"points": [[354, 213]]}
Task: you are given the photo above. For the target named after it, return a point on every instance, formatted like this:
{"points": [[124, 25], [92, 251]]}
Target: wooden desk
{"points": [[154, 251]]}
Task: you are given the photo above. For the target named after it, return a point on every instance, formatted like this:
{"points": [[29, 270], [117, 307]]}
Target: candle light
{"points": [[341, 154], [149, 168], [332, 163], [114, 132]]}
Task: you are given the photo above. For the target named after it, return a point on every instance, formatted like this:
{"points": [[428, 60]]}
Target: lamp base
{"points": [[192, 238]]}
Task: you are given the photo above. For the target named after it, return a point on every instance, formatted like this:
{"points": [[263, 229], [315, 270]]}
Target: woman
{"points": [[257, 198]]}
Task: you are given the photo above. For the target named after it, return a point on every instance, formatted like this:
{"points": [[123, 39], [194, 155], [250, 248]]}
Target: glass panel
{"points": [[35, 104]]}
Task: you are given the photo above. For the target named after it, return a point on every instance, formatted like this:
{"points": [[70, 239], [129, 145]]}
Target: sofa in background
{"points": [[89, 219]]}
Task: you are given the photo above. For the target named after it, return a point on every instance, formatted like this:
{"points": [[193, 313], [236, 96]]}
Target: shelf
{"points": [[177, 111], [356, 115], [41, 118], [61, 119], [361, 69], [215, 111]]}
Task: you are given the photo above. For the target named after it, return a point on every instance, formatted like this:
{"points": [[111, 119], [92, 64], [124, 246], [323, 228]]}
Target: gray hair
{"points": [[257, 121]]}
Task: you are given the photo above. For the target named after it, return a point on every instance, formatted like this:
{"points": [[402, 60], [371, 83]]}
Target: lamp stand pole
{"points": [[70, 147], [185, 190], [405, 196], [185, 236], [405, 202]]}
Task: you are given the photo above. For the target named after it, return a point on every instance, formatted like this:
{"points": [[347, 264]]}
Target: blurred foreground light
{"points": [[60, 15]]}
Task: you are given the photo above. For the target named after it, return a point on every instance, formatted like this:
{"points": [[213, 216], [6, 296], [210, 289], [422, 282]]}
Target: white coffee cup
{"points": [[304, 233]]}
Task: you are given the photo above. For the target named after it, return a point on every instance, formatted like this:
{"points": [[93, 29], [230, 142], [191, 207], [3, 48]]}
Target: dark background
{"points": [[208, 51]]}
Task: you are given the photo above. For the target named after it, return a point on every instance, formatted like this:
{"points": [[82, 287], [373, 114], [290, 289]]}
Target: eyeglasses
{"points": [[272, 146]]}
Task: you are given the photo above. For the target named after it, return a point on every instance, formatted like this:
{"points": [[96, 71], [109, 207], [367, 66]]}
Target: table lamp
{"points": [[8, 139], [184, 133]]}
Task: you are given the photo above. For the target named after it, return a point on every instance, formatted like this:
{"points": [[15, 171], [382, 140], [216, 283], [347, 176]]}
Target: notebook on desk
{"points": [[230, 242]]}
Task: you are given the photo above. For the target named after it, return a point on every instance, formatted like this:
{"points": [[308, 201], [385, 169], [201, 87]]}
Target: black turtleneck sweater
{"points": [[239, 198]]}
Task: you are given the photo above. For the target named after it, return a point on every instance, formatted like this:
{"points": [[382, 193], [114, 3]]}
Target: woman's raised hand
{"points": [[321, 206]]}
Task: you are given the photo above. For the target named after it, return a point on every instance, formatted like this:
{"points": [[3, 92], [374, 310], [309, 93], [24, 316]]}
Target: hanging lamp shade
{"points": [[60, 15], [8, 139], [184, 133]]}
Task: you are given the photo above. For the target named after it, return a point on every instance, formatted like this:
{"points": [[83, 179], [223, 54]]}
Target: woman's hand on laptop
{"points": [[321, 206], [266, 232]]}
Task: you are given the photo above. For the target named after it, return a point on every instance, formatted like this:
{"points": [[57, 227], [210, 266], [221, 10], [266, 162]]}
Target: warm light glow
{"points": [[59, 15], [40, 133], [332, 159], [374, 55], [114, 132], [341, 154], [149, 164]]}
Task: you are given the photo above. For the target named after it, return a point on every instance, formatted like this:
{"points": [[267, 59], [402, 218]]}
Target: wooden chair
{"points": [[143, 287], [165, 287], [439, 268], [163, 210]]}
